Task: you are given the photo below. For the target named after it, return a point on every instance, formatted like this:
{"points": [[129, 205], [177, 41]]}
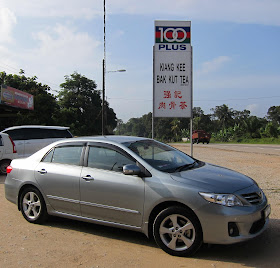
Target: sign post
{"points": [[172, 77]]}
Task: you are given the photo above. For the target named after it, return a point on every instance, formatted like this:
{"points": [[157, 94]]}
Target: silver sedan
{"points": [[139, 184]]}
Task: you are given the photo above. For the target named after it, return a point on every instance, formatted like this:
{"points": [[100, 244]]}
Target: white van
{"points": [[30, 139], [8, 152]]}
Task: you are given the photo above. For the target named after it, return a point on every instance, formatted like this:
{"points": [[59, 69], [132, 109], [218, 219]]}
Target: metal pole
{"points": [[191, 129], [191, 121], [103, 72], [103, 99], [152, 125]]}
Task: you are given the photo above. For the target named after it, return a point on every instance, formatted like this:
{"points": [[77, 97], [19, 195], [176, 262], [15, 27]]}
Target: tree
{"points": [[201, 120], [175, 128], [80, 106], [273, 114], [225, 116], [253, 126], [45, 105], [271, 130]]}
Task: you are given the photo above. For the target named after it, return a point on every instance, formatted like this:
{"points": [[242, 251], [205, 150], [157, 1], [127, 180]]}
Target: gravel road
{"points": [[67, 243]]}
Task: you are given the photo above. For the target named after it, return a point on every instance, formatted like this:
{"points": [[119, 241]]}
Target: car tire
{"points": [[32, 205], [3, 166], [177, 231]]}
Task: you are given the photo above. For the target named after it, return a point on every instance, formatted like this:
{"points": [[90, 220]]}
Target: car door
{"points": [[58, 175], [35, 139], [106, 193]]}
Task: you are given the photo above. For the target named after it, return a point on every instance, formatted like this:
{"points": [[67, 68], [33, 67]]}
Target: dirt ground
{"points": [[67, 243]]}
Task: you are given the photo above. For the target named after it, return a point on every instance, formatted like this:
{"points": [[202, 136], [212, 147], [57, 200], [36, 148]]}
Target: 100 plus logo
{"points": [[172, 34]]}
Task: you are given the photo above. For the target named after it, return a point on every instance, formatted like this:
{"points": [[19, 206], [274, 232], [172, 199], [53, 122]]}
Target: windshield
{"points": [[161, 156]]}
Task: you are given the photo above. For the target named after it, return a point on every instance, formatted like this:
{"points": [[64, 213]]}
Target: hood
{"points": [[214, 179]]}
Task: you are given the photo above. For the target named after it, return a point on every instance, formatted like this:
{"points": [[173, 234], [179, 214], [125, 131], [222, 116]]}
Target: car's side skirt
{"points": [[96, 221]]}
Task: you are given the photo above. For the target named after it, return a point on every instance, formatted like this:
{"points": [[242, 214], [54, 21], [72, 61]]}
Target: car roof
{"points": [[4, 134], [36, 126], [110, 138]]}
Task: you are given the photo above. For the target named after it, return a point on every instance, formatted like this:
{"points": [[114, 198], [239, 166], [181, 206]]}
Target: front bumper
{"points": [[228, 225]]}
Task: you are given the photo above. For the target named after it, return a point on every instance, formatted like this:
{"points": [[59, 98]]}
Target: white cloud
{"points": [[239, 11], [7, 22], [60, 51], [253, 108], [213, 65], [256, 82], [86, 9]]}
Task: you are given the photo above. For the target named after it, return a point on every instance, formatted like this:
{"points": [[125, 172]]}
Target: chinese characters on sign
{"points": [[172, 69]]}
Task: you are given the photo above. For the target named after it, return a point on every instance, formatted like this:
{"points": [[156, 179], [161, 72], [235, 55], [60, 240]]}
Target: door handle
{"points": [[88, 178], [42, 171]]}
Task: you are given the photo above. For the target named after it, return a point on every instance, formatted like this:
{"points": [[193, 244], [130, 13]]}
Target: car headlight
{"points": [[229, 200]]}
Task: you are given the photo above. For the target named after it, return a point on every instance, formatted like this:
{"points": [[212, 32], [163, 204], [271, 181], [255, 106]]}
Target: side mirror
{"points": [[131, 170]]}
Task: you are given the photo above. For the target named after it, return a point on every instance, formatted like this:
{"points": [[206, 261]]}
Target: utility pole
{"points": [[104, 72]]}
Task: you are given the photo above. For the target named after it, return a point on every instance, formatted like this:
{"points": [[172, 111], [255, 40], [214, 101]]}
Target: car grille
{"points": [[254, 198]]}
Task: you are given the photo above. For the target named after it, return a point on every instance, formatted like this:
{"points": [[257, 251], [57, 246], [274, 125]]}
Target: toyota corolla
{"points": [[139, 184]]}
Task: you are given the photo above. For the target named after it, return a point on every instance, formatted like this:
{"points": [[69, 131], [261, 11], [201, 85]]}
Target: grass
{"points": [[245, 141], [251, 141]]}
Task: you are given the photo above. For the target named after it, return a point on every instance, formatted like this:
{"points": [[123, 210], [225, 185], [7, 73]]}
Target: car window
{"points": [[1, 142], [48, 156], [38, 133], [16, 134], [70, 155], [108, 159], [160, 156]]}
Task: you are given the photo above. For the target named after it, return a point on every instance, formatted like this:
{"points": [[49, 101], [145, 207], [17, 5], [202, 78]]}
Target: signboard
{"points": [[172, 69], [16, 98]]}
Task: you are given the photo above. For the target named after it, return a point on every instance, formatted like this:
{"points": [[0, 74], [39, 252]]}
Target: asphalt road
{"points": [[248, 148]]}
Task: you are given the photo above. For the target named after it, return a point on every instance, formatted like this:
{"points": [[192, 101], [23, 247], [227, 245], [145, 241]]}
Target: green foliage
{"points": [[78, 105], [81, 106], [225, 125], [45, 105], [273, 114]]}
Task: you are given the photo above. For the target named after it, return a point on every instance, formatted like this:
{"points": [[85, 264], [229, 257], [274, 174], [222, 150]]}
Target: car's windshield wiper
{"points": [[179, 169]]}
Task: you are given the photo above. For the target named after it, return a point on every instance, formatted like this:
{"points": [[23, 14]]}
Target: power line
{"points": [[15, 70], [255, 98]]}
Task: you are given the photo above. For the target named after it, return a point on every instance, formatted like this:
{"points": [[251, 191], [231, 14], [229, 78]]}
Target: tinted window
{"points": [[109, 159], [1, 142], [16, 134], [70, 155], [57, 133], [38, 133]]}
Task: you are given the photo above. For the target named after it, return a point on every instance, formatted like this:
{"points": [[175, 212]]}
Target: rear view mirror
{"points": [[131, 170]]}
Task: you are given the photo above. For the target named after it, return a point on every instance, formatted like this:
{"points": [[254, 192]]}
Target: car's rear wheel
{"points": [[32, 206], [3, 166], [177, 231]]}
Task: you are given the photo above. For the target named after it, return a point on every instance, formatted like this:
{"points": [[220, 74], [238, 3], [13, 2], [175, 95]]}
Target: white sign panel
{"points": [[172, 69]]}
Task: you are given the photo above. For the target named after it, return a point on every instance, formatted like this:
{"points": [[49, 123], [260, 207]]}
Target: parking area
{"points": [[67, 243]]}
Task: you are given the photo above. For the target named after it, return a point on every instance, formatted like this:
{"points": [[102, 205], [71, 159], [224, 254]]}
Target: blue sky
{"points": [[236, 59]]}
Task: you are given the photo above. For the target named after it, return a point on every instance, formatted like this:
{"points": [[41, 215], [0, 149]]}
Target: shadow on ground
{"points": [[262, 251]]}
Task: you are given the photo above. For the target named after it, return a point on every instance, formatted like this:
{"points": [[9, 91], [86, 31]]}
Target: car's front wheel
{"points": [[32, 205], [177, 231]]}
